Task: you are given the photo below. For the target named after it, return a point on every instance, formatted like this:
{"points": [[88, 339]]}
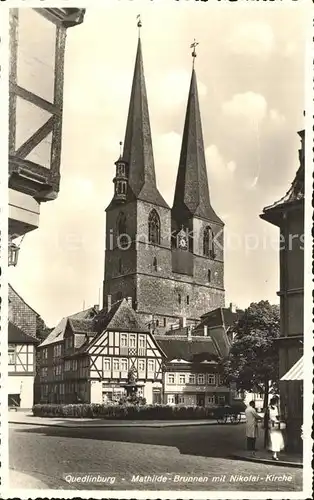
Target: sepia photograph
{"points": [[158, 276]]}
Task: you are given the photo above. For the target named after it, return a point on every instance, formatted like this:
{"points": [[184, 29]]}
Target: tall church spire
{"points": [[192, 193], [138, 150]]}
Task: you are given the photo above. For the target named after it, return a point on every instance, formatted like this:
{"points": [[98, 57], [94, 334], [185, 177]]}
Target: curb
{"points": [[108, 426], [282, 463]]}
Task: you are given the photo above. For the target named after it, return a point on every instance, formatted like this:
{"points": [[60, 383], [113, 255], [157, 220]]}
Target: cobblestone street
{"points": [[49, 454]]}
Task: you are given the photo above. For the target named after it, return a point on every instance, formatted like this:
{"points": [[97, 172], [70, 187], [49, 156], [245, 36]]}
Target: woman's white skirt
{"points": [[276, 442]]}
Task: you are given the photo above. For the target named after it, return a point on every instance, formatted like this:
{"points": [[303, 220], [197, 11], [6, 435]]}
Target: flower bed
{"points": [[132, 412]]}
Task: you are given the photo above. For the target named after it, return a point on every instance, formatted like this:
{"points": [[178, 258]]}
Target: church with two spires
{"points": [[169, 262]]}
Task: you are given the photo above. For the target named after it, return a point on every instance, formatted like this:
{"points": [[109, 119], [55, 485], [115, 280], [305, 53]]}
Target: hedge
{"points": [[133, 412]]}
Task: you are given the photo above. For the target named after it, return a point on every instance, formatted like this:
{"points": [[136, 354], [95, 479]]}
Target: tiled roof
{"points": [[81, 325], [120, 317], [192, 191], [57, 333], [17, 336], [197, 349]]}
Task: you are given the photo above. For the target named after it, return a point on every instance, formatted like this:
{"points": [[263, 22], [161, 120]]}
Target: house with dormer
{"points": [[89, 360]]}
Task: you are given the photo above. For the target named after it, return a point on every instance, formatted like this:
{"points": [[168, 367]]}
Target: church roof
{"points": [[192, 192], [17, 336], [138, 149]]}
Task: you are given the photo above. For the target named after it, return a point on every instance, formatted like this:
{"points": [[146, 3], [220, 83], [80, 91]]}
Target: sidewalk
{"points": [[265, 457], [21, 481], [27, 418]]}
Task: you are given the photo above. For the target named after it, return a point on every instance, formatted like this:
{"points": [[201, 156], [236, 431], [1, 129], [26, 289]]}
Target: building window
{"points": [[220, 380], [124, 365], [171, 400], [154, 227], [200, 378], [67, 365], [165, 322], [179, 298], [141, 341], [208, 243], [123, 340], [221, 400], [116, 365], [120, 265], [211, 400], [151, 365], [192, 378], [44, 372], [181, 400], [155, 264], [74, 364], [132, 340], [187, 299], [11, 351], [211, 379], [141, 365], [121, 224], [209, 275], [157, 322], [107, 364], [45, 353], [171, 378], [181, 379]]}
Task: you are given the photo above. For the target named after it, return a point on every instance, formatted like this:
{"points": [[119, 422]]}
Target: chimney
{"points": [[232, 307], [108, 302], [205, 330], [182, 322], [130, 301]]}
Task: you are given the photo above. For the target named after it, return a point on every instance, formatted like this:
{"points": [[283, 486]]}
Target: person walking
{"points": [[276, 442], [252, 418]]}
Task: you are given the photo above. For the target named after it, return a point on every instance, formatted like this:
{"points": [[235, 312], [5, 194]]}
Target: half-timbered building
{"points": [[36, 74], [21, 367], [90, 363]]}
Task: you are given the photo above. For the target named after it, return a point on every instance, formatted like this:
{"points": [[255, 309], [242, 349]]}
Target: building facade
{"points": [[169, 261], [288, 215], [91, 356], [37, 49]]}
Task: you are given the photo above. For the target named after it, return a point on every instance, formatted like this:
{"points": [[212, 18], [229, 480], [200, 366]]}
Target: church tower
{"points": [[167, 261], [138, 221]]}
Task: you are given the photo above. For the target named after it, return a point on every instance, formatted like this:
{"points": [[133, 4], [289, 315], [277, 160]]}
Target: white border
{"points": [[308, 325]]}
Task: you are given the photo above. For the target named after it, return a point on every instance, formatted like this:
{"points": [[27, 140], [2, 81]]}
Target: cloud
{"points": [[172, 89], [276, 117], [252, 38], [249, 105], [218, 168]]}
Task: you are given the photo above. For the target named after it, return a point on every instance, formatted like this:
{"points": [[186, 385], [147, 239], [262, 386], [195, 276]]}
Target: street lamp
{"points": [[13, 254]]}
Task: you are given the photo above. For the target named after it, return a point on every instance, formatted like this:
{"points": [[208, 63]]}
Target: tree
{"points": [[252, 362]]}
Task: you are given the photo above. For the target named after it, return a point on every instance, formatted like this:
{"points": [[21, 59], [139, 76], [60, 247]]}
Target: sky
{"points": [[250, 73]]}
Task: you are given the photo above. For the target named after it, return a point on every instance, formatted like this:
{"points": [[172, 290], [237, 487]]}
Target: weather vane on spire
{"points": [[139, 24], [193, 46]]}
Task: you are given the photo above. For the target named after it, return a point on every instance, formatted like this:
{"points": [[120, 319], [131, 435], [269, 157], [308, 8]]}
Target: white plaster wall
{"points": [[24, 386]]}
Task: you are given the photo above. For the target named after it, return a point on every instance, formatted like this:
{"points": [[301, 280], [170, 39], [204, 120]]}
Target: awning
{"points": [[296, 372]]}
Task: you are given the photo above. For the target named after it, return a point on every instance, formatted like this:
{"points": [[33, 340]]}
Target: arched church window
{"points": [[187, 299], [154, 227], [209, 275], [179, 298], [155, 264], [208, 243], [121, 224]]}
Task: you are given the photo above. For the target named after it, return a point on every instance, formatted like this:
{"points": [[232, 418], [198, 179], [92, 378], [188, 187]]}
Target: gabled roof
{"points": [[84, 326], [192, 192], [12, 292], [121, 317], [57, 333], [17, 336], [197, 349]]}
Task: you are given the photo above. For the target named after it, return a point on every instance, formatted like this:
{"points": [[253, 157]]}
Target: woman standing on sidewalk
{"points": [[276, 442]]}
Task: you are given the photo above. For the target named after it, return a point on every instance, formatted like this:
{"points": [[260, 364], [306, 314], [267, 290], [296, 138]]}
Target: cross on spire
{"points": [[193, 46], [139, 24]]}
